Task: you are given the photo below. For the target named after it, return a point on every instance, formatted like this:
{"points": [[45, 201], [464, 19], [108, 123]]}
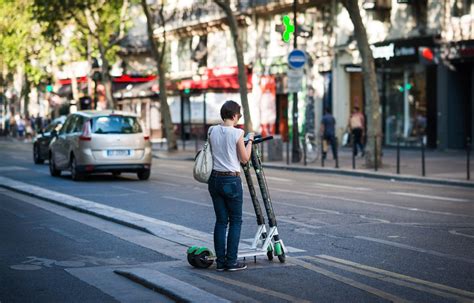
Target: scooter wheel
{"points": [[191, 260], [282, 257], [201, 260], [270, 255]]}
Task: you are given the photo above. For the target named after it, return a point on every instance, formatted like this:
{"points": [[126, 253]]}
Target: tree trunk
{"points": [[158, 55], [372, 108], [225, 6], [106, 80]]}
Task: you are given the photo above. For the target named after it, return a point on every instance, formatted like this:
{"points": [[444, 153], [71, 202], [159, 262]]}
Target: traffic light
{"points": [[49, 88], [289, 29]]}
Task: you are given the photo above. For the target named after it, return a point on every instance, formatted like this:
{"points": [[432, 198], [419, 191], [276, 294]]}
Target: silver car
{"points": [[100, 141]]}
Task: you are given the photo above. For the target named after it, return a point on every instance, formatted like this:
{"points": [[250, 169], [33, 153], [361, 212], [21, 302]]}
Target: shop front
{"points": [[407, 87]]}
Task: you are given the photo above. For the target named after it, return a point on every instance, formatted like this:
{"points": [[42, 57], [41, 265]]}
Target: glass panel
{"points": [[406, 105], [115, 125]]}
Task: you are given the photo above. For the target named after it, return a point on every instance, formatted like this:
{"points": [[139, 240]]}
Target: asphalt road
{"points": [[350, 239]]}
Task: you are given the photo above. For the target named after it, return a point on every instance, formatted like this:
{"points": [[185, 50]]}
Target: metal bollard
{"points": [[337, 153], [322, 152], [304, 151], [398, 154], [423, 171], [353, 161], [288, 152], [468, 162], [376, 162]]}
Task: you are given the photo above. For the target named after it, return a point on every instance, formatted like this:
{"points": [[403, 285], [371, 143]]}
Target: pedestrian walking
{"points": [[328, 132], [225, 185], [356, 126]]}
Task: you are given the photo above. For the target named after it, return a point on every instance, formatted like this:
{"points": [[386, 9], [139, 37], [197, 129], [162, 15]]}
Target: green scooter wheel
{"points": [[280, 252], [201, 259], [190, 255]]}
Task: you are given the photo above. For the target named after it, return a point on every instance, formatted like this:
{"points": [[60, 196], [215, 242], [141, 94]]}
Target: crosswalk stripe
{"points": [[400, 276], [253, 288], [386, 278], [348, 281]]}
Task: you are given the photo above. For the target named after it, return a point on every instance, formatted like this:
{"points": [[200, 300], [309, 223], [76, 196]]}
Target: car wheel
{"points": [[144, 175], [75, 175], [36, 155], [52, 168]]}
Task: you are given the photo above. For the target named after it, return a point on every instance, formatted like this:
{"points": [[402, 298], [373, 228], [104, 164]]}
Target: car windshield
{"points": [[115, 125]]}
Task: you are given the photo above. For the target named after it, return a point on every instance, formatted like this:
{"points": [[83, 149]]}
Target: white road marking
{"points": [[341, 186], [278, 179], [166, 183], [183, 176], [417, 249], [396, 278], [332, 197], [12, 168], [129, 189], [429, 197], [455, 232], [348, 281]]}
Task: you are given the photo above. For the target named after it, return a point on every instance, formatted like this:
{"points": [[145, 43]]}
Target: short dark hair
{"points": [[229, 109]]}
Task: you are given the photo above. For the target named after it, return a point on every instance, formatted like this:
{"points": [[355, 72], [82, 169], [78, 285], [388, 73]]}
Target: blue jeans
{"points": [[227, 197]]}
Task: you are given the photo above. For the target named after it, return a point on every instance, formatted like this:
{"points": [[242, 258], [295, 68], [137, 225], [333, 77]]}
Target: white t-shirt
{"points": [[224, 148]]}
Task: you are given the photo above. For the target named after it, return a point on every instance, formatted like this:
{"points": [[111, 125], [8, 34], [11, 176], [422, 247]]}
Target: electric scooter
{"points": [[265, 242]]}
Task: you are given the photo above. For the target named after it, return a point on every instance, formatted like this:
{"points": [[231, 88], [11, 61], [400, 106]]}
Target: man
{"points": [[328, 132], [357, 127]]}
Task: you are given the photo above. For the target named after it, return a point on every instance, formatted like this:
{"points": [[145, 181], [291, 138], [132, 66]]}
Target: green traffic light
{"points": [[289, 28], [49, 88], [187, 90]]}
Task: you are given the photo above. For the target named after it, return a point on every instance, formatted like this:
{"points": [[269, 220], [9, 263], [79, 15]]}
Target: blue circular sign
{"points": [[296, 58]]}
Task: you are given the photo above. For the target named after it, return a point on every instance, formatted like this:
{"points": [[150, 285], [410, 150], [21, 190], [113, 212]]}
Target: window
{"points": [[115, 125], [79, 123], [66, 125], [461, 8]]}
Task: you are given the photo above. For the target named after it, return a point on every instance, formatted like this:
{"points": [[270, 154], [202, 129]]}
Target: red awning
{"points": [[217, 78]]}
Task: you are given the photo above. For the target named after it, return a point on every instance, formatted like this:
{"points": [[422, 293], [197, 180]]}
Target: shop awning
{"points": [[219, 78]]}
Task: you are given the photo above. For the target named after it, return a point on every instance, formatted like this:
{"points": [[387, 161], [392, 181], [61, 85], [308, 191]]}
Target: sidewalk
{"points": [[441, 167]]}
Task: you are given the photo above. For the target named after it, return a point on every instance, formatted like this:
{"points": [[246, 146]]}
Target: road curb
{"points": [[166, 285], [352, 173], [382, 176]]}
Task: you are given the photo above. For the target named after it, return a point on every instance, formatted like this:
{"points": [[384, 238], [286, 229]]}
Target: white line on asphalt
{"points": [[345, 280], [165, 183], [12, 168], [456, 233], [371, 203], [278, 179], [129, 189], [174, 175], [428, 197], [420, 250], [395, 278], [341, 186], [252, 287]]}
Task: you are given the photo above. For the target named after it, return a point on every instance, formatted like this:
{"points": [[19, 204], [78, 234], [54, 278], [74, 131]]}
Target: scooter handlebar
{"points": [[258, 139]]}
